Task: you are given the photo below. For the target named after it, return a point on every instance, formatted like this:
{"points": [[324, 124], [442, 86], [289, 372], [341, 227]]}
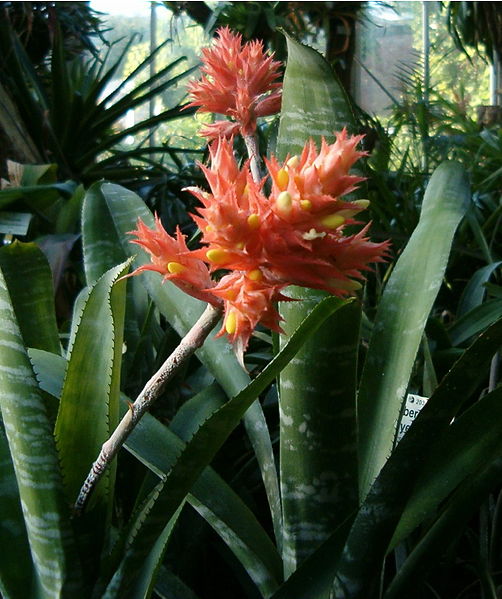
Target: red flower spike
{"points": [[294, 236], [212, 131], [307, 189], [231, 214], [248, 300], [236, 80], [331, 262], [171, 257]]}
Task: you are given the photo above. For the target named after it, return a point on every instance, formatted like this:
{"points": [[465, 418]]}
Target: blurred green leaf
{"points": [[475, 290], [471, 442], [29, 279], [401, 317], [474, 321], [16, 567]]}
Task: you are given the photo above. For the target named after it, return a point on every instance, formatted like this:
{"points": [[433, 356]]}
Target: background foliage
{"points": [[191, 508]]}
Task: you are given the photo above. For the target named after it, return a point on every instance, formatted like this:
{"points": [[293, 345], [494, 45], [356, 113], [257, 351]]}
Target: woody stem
{"points": [[151, 391], [254, 156]]}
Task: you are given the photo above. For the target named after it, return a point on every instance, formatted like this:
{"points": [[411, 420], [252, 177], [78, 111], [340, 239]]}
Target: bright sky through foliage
{"points": [[118, 7]]}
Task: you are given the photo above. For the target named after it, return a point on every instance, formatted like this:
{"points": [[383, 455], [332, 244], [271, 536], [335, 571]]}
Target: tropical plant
{"points": [[73, 118], [346, 496], [476, 24]]}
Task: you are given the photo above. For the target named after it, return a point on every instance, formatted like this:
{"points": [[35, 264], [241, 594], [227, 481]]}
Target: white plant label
{"points": [[414, 403], [15, 223]]}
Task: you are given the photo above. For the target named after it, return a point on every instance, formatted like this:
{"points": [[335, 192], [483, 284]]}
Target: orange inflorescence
{"points": [[292, 235], [239, 81], [171, 257]]}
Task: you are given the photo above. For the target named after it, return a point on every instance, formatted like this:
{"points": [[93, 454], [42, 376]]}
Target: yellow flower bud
{"points": [[253, 221], [293, 162], [282, 178], [217, 256], [349, 285], [361, 204], [255, 275], [175, 268], [333, 221], [231, 323], [358, 204], [284, 201]]}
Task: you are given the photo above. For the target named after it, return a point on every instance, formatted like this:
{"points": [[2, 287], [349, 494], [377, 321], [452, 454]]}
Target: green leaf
{"points": [[314, 576], [471, 442], [29, 280], [69, 213], [446, 529], [474, 321], [87, 413], [182, 311], [169, 586], [100, 243], [88, 410], [318, 429], [316, 405], [16, 567], [35, 195], [401, 317], [145, 580], [314, 104], [475, 290], [201, 449], [358, 567], [34, 456], [376, 521], [102, 250], [158, 448], [50, 370]]}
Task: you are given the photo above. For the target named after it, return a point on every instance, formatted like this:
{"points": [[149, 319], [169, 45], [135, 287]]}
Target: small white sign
{"points": [[414, 403], [15, 223]]}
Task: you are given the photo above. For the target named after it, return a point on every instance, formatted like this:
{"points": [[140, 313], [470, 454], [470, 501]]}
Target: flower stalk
{"points": [[254, 159], [192, 341]]}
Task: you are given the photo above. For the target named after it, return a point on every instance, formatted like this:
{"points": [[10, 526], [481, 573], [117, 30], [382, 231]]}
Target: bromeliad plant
{"points": [[344, 496]]}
